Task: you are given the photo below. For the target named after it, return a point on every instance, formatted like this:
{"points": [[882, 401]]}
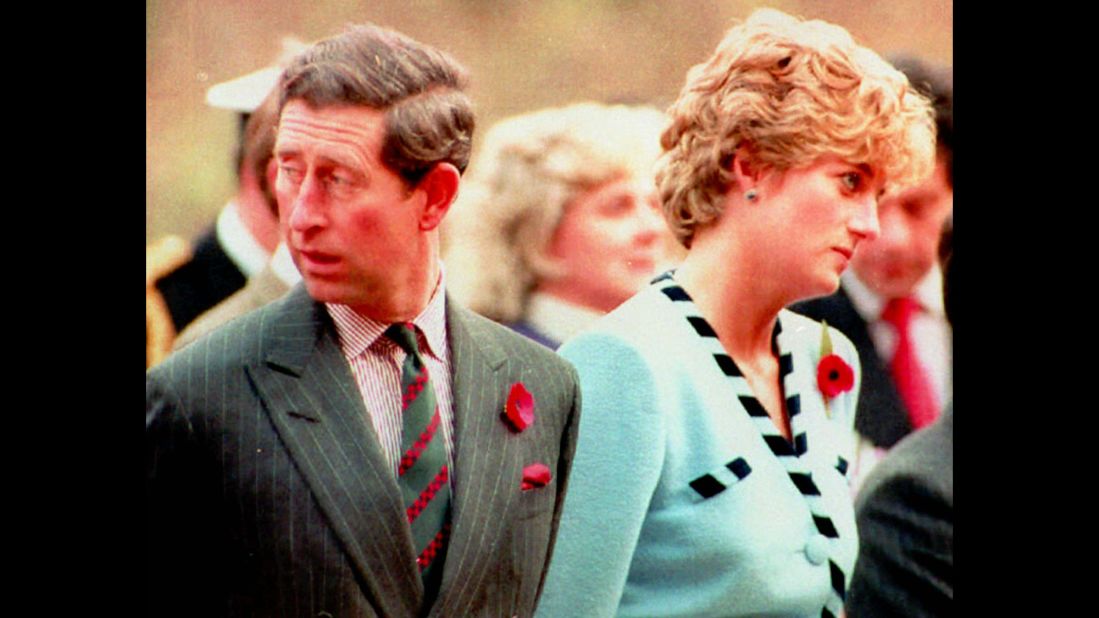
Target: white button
{"points": [[816, 550]]}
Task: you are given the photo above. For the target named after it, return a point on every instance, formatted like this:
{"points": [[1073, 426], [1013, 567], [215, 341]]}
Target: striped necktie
{"points": [[422, 474]]}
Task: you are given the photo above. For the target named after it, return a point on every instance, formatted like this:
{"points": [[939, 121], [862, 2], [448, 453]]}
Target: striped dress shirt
{"points": [[376, 361]]}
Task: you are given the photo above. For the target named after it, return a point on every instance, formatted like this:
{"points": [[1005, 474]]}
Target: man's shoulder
{"points": [[926, 454], [204, 277], [246, 338], [507, 343], [261, 290]]}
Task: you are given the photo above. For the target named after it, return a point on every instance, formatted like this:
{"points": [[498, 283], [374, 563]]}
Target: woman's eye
{"points": [[852, 181], [618, 206]]}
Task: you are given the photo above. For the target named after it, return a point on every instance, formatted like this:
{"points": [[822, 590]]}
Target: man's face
{"points": [[349, 221], [911, 222]]}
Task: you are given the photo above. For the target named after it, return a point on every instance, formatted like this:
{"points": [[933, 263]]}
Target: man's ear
{"points": [[272, 174], [440, 187]]}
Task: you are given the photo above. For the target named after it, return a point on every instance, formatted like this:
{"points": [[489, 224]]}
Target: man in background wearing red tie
{"points": [[890, 301]]}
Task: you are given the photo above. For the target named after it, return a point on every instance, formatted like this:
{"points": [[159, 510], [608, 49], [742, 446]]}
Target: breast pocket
{"points": [[720, 479], [538, 501]]}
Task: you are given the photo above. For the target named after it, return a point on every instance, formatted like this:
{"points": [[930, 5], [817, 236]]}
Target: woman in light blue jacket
{"points": [[709, 478]]}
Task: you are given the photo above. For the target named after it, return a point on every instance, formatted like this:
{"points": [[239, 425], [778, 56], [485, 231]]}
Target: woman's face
{"points": [[811, 221], [608, 245]]}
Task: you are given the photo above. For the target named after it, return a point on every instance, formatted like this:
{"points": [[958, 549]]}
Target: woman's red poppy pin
{"points": [[834, 375]]}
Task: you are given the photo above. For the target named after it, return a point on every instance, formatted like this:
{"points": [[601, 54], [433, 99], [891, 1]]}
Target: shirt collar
{"points": [[928, 293], [238, 243], [358, 332], [283, 266], [558, 319]]}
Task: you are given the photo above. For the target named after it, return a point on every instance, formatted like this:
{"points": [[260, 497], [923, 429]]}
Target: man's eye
{"points": [[338, 179], [291, 173]]}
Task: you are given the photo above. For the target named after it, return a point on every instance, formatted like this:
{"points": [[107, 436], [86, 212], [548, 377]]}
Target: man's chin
{"points": [[323, 292]]}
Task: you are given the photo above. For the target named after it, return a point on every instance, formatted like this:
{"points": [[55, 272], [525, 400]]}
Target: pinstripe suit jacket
{"points": [[268, 494]]}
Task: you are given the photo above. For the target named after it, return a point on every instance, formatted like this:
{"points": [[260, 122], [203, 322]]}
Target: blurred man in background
{"points": [[905, 515], [279, 274], [182, 279], [890, 301]]}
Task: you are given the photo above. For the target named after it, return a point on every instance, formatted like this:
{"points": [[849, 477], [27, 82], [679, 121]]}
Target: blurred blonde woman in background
{"points": [[709, 477], [557, 222]]}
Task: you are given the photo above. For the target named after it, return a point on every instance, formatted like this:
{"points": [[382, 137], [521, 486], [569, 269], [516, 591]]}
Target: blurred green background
{"points": [[522, 55]]}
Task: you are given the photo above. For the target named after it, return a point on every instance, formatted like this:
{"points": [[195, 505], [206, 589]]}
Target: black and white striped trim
{"points": [[712, 483], [789, 453]]}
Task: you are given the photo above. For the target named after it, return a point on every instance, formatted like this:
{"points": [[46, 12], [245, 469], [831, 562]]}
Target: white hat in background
{"points": [[245, 93]]}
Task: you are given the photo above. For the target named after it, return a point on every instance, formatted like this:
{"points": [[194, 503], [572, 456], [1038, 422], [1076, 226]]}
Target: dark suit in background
{"points": [[268, 493], [262, 288], [208, 278], [880, 415], [905, 516]]}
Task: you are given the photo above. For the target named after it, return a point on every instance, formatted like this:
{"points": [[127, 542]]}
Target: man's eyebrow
{"points": [[286, 150]]}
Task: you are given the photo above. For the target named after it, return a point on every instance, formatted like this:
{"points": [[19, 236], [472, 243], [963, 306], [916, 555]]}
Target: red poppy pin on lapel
{"points": [[535, 475], [519, 409], [834, 375]]}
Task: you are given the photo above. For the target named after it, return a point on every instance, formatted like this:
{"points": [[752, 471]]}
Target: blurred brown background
{"points": [[522, 55]]}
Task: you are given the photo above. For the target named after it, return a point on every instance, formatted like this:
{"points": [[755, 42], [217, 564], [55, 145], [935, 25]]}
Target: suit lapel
{"points": [[487, 462], [880, 415], [316, 408]]}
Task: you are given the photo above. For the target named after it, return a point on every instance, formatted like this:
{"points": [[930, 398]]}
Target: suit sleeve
{"points": [[616, 469], [564, 470], [905, 565], [180, 567]]}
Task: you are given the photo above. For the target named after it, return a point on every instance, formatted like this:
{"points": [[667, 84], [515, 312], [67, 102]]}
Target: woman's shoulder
{"points": [[641, 326], [808, 334]]}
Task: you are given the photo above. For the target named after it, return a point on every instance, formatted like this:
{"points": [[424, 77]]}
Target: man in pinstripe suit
{"points": [[275, 471]]}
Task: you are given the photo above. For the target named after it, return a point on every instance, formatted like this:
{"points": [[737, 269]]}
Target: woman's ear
{"points": [[440, 187], [746, 172]]}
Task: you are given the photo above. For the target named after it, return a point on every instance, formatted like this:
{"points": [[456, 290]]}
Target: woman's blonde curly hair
{"points": [[790, 91], [528, 169]]}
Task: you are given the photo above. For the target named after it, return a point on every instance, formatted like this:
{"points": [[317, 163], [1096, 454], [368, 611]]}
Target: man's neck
{"points": [[404, 304]]}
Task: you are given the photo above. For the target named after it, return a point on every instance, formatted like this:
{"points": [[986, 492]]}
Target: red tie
{"points": [[909, 377]]}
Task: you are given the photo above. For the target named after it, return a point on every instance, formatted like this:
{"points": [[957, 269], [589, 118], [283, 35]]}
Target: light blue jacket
{"points": [[636, 538]]}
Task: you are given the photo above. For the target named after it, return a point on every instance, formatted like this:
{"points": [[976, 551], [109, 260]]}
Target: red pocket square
{"points": [[535, 475]]}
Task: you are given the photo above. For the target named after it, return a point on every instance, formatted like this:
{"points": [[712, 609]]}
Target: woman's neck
{"points": [[739, 304]]}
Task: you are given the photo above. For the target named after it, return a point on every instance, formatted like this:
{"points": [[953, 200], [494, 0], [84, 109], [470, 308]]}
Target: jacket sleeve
{"points": [[615, 472], [181, 562]]}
